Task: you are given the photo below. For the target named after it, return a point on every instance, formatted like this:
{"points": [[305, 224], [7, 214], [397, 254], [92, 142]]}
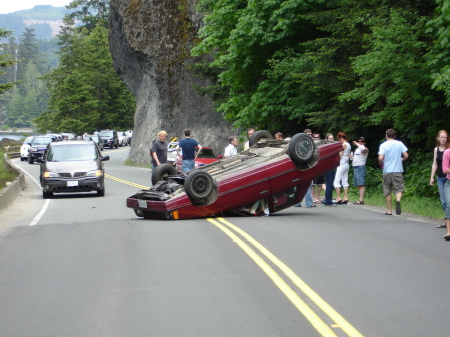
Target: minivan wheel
{"points": [[47, 195], [30, 160], [101, 193]]}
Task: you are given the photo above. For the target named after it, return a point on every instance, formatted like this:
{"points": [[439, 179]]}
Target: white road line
{"points": [[47, 202]]}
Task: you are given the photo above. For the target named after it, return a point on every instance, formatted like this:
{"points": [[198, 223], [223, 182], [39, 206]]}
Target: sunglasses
{"points": [[316, 137]]}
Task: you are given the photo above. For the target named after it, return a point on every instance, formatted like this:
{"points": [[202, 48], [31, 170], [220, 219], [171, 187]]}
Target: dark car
{"points": [[269, 177], [72, 166], [110, 138], [206, 156], [37, 147]]}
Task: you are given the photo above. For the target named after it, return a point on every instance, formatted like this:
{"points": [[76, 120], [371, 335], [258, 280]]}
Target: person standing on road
{"points": [[359, 158], [341, 178], [231, 149], [159, 150], [391, 156], [329, 179], [250, 132], [446, 170], [279, 136], [319, 181], [188, 146], [442, 144]]}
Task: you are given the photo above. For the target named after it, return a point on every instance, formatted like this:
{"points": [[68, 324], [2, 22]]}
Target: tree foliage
{"points": [[6, 61], [85, 92], [351, 65]]}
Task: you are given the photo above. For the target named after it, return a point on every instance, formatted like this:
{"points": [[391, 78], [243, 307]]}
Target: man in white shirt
{"points": [[231, 149], [391, 156]]}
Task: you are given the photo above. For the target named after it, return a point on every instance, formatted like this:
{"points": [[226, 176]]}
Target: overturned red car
{"points": [[268, 177]]}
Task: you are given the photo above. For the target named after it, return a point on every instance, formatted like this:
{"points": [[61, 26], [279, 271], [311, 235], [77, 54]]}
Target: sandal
{"points": [[358, 203], [317, 202]]}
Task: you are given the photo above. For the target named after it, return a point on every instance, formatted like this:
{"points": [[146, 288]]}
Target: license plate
{"points": [[142, 203], [72, 183]]}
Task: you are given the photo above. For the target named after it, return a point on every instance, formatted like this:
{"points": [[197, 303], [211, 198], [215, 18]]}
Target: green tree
{"points": [[6, 61], [90, 12], [85, 92]]}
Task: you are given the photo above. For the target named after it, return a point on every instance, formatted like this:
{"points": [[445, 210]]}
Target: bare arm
{"points": [[433, 167]]}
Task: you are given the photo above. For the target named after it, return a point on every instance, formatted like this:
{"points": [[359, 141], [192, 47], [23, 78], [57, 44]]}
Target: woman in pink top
{"points": [[446, 170]]}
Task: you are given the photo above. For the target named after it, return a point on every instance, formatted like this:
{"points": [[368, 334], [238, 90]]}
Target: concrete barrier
{"points": [[9, 194]]}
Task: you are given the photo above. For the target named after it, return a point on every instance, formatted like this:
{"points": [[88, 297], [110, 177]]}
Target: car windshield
{"points": [[106, 133], [42, 141], [206, 153], [72, 153]]}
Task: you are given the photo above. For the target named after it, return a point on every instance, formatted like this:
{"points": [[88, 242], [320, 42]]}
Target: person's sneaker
{"points": [[398, 208], [298, 205]]}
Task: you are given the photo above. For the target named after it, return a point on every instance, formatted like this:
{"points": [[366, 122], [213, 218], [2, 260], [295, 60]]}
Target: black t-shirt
{"points": [[160, 148]]}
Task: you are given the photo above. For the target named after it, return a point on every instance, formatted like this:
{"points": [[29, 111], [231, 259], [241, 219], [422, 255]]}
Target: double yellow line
{"points": [[323, 328], [142, 187]]}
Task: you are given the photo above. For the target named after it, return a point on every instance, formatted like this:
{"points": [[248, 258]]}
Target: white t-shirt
{"points": [[230, 151], [360, 158]]}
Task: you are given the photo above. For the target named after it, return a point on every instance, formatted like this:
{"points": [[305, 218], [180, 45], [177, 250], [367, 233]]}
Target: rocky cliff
{"points": [[150, 43]]}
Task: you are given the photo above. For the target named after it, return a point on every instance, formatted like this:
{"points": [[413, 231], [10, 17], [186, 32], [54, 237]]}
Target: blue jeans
{"points": [[188, 164], [447, 197], [308, 197], [441, 182], [329, 177]]}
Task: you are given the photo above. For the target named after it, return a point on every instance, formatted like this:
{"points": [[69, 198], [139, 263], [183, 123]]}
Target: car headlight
{"points": [[51, 175], [33, 149], [96, 173]]}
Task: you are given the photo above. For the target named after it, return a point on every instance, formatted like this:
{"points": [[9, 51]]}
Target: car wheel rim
{"points": [[304, 148], [200, 185]]}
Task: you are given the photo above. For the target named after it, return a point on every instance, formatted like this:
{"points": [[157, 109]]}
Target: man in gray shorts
{"points": [[391, 155]]}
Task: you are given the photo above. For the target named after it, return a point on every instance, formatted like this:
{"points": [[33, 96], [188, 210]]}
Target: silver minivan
{"points": [[72, 166]]}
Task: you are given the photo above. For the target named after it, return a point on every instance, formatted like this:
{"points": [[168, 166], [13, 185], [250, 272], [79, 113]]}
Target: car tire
{"points": [[46, 195], [199, 185], [30, 160], [22, 158], [101, 193], [162, 171], [256, 136], [301, 148]]}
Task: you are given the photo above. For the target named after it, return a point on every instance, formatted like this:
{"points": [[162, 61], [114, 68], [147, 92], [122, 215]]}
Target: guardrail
{"points": [[12, 151], [9, 194]]}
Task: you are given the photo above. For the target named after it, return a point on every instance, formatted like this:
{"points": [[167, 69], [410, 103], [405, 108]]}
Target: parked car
{"points": [[25, 148], [97, 139], [206, 156], [172, 153], [269, 177], [110, 138], [123, 138], [38, 146], [72, 166]]}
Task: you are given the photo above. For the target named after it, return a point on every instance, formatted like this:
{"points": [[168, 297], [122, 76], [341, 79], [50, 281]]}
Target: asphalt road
{"points": [[82, 265]]}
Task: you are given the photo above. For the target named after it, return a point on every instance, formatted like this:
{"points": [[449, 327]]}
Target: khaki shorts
{"points": [[392, 181]]}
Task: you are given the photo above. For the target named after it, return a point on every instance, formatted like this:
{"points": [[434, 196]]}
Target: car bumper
{"points": [[72, 184]]}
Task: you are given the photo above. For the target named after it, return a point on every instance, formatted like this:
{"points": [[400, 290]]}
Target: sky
{"points": [[8, 6]]}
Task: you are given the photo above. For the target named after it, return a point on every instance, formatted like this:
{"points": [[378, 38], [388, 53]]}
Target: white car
{"points": [[25, 148], [172, 153], [123, 138]]}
